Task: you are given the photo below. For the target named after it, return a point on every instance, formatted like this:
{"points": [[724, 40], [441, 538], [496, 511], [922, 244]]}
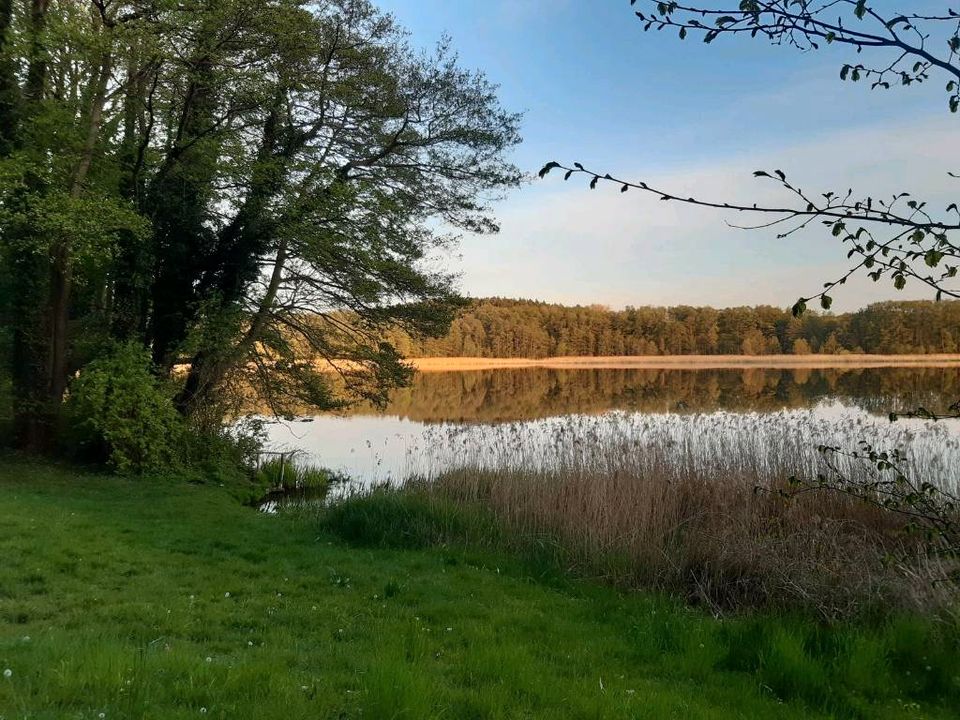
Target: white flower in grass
{"points": [[8, 673], [226, 594], [209, 659]]}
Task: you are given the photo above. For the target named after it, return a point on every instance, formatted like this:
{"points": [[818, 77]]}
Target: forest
{"points": [[503, 328]]}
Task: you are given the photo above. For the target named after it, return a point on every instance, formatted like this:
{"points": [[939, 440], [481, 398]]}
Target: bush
{"points": [[120, 413]]}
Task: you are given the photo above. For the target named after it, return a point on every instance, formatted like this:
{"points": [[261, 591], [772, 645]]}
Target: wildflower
{"points": [[8, 673], [226, 594], [203, 711], [209, 659]]}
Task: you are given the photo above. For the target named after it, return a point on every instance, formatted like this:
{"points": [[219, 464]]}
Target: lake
{"points": [[767, 422]]}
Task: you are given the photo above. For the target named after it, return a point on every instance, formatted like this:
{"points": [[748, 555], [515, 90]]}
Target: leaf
{"points": [[799, 307], [593, 183], [826, 301], [933, 258], [547, 168]]}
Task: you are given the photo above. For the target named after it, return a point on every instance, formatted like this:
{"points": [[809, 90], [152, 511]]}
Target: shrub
{"points": [[122, 414]]}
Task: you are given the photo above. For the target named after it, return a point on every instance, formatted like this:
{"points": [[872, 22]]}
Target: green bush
{"points": [[298, 481], [120, 413]]}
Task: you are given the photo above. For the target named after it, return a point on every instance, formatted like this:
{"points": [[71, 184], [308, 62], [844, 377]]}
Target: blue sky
{"points": [[594, 88]]}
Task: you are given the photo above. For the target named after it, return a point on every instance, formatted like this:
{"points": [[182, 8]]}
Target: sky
{"points": [[695, 118]]}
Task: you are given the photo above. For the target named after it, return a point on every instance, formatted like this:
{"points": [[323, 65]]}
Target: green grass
{"points": [[159, 599]]}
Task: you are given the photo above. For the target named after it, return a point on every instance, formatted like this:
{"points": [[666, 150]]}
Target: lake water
{"points": [[764, 421]]}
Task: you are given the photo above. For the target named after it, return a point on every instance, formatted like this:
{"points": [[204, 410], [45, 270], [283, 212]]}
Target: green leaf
{"points": [[545, 170]]}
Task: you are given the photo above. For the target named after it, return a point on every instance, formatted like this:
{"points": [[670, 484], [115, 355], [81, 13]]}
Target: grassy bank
{"points": [[158, 599]]}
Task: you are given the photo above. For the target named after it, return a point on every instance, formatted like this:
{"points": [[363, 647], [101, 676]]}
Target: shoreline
{"points": [[687, 362]]}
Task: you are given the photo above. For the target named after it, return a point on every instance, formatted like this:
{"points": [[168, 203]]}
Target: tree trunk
{"points": [[61, 278]]}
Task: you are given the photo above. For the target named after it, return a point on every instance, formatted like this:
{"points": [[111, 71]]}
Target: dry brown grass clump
{"points": [[714, 538]]}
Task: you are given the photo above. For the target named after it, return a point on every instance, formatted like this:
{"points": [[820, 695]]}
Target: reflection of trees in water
{"points": [[523, 394]]}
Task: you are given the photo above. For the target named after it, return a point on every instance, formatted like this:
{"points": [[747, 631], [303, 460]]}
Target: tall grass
{"points": [[682, 506]]}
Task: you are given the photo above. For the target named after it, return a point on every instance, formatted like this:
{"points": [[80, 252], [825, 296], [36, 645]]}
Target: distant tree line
{"points": [[504, 328]]}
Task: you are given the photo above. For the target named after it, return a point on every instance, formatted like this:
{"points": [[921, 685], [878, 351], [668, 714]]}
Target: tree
{"points": [[801, 347], [229, 184]]}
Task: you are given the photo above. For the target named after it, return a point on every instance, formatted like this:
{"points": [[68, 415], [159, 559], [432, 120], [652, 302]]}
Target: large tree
{"points": [[231, 184]]}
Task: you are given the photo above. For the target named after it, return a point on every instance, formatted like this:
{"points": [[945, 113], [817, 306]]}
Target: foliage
{"points": [[199, 177], [297, 625], [933, 511], [284, 473], [124, 414], [496, 327]]}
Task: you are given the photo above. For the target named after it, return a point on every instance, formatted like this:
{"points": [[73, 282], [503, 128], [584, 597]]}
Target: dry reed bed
{"points": [[690, 505]]}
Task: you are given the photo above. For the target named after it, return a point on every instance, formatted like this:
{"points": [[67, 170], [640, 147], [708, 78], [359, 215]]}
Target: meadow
{"points": [[161, 599]]}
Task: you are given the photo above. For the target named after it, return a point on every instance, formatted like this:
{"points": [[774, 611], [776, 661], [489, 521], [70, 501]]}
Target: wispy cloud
{"points": [[564, 243]]}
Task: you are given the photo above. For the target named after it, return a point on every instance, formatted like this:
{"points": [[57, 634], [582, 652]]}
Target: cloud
{"points": [[565, 243]]}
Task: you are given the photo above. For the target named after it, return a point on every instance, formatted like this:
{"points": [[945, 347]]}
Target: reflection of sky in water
{"points": [[773, 444]]}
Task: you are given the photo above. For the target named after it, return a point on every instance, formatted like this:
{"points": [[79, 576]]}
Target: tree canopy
{"points": [[196, 177], [504, 328]]}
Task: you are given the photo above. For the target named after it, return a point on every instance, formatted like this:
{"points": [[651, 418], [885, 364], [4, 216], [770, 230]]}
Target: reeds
{"points": [[693, 505]]}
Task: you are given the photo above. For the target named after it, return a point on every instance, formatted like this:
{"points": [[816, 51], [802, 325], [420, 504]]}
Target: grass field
{"points": [[157, 599]]}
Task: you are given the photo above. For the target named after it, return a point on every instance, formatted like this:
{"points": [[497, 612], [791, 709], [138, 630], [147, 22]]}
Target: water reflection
{"points": [[538, 419], [526, 394]]}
